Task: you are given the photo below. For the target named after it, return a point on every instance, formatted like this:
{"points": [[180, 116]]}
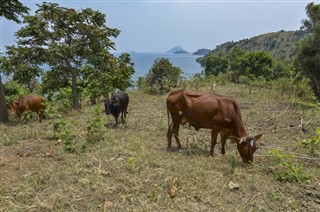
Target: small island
{"points": [[177, 50], [180, 52], [202, 51]]}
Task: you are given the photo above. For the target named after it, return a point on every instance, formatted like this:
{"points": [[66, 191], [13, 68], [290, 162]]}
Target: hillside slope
{"points": [[279, 44]]}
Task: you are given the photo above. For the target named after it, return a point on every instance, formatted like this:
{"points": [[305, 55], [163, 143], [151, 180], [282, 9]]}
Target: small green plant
{"points": [[132, 163], [233, 162], [95, 126], [287, 171], [58, 125], [313, 143], [67, 138], [154, 196], [57, 122]]}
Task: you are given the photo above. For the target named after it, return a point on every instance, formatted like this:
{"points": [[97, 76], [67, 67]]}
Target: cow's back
{"points": [[122, 100], [31, 102], [202, 110]]}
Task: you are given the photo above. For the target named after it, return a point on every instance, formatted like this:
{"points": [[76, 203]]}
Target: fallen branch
{"points": [[250, 201], [295, 156]]}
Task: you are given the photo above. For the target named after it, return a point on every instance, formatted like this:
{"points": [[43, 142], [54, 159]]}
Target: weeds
{"points": [[286, 170], [68, 145], [313, 143], [233, 162]]}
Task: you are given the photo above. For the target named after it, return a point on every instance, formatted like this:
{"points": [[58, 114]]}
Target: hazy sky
{"points": [[157, 26]]}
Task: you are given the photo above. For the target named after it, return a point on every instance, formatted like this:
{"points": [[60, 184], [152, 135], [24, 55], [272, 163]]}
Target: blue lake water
{"points": [[143, 63]]}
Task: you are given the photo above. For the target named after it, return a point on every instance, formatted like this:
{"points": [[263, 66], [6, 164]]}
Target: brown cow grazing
{"points": [[210, 111], [28, 102]]}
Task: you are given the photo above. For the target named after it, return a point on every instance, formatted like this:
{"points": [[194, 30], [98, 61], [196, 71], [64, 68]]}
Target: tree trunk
{"points": [[315, 87], [4, 116], [75, 100]]}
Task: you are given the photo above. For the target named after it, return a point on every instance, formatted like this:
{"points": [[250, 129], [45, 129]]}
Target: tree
{"points": [[122, 70], [307, 59], [215, 65], [163, 75], [250, 65], [75, 45], [10, 9]]}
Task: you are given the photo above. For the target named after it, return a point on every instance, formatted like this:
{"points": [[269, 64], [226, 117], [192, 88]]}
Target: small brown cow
{"points": [[28, 102], [221, 114]]}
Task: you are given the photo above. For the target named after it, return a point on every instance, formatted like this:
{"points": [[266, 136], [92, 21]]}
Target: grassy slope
{"points": [[131, 170]]}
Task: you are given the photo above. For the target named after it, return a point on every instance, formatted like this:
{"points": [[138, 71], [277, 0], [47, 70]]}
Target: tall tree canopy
{"points": [[75, 45], [308, 51], [11, 10]]}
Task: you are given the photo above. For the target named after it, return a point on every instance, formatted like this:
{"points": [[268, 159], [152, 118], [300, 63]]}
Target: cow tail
{"points": [[168, 115]]}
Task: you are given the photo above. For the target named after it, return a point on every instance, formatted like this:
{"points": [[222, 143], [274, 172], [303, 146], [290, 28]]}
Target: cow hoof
{"points": [[170, 149]]}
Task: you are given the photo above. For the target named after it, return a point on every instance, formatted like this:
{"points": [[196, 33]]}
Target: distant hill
{"points": [[176, 50], [280, 44], [202, 52]]}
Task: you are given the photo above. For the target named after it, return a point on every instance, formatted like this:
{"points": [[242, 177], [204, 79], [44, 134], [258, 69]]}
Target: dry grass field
{"points": [[129, 169]]}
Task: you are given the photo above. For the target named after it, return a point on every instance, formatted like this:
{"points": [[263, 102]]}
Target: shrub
{"points": [[95, 126], [313, 143]]}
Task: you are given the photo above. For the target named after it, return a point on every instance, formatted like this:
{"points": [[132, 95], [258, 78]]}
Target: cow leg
{"points": [[223, 143], [41, 115], [175, 131], [214, 135], [116, 118], [169, 135], [122, 120], [125, 115]]}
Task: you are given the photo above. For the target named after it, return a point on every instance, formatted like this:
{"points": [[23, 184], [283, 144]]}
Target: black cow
{"points": [[118, 104]]}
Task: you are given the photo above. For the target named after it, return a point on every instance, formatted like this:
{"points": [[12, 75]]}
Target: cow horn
{"points": [[235, 139]]}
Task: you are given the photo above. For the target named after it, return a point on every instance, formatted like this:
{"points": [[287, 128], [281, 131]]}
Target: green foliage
{"points": [[313, 143], [67, 139], [12, 90], [308, 51], [215, 65], [62, 97], [116, 73], [70, 41], [12, 9], [162, 76], [95, 126], [245, 66], [233, 162], [280, 45], [286, 170], [58, 123], [141, 83], [24, 63]]}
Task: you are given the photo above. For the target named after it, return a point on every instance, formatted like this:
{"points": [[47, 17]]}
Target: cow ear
{"points": [[257, 137], [235, 139]]}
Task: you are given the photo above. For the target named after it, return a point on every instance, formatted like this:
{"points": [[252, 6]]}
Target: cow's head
{"points": [[13, 107], [247, 146], [108, 106]]}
